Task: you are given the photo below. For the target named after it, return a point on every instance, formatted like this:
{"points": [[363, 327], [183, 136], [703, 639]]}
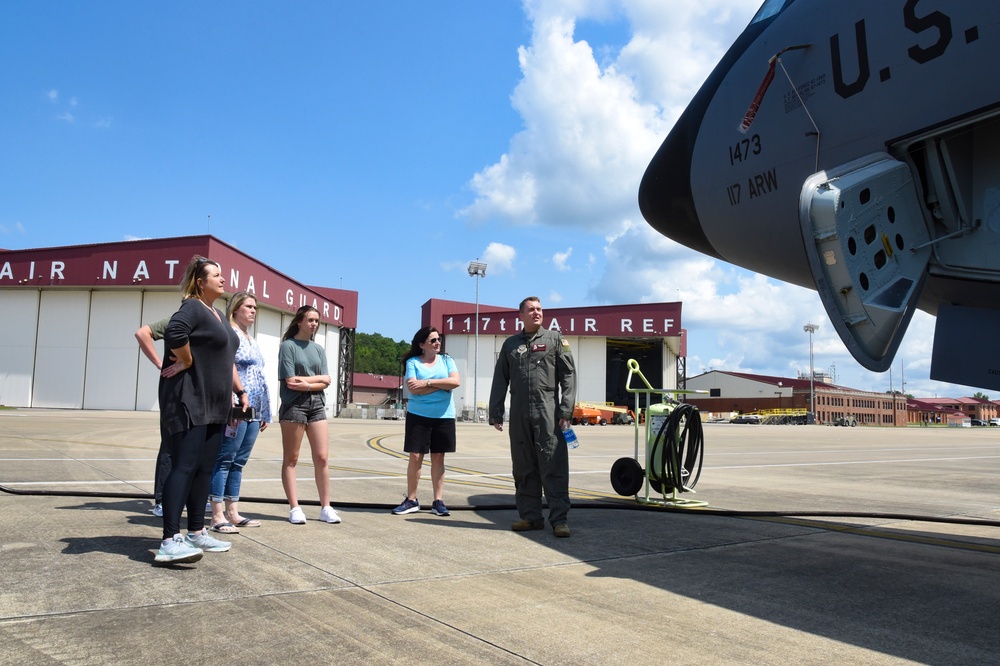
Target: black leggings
{"points": [[192, 455], [162, 466]]}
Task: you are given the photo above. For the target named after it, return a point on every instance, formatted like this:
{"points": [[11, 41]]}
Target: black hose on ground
{"points": [[678, 451], [621, 505]]}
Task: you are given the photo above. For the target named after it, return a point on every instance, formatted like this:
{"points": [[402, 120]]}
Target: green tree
{"points": [[981, 396], [378, 354]]}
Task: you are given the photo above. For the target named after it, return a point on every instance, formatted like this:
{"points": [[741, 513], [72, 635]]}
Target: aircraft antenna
{"points": [[796, 91]]}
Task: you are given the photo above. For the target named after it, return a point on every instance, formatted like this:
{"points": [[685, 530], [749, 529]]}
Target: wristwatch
{"points": [[239, 393]]}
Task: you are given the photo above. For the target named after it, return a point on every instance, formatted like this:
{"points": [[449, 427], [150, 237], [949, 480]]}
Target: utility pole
{"points": [[477, 269], [810, 329]]}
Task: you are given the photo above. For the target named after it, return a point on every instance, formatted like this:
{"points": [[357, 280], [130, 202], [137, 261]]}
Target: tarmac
{"points": [[817, 545]]}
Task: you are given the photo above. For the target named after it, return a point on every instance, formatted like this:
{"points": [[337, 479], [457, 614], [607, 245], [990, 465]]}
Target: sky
{"points": [[380, 146]]}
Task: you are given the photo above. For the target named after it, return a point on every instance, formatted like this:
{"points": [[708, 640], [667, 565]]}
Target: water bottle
{"points": [[571, 440]]}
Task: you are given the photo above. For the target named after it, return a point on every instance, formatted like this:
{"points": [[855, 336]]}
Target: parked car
{"points": [[978, 422], [623, 418], [995, 422], [746, 418]]}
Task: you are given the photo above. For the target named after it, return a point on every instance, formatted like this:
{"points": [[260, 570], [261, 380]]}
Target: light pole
{"points": [[477, 269], [810, 329]]}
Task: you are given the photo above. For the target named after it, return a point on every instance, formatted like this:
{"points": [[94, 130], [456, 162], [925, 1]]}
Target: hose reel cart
{"points": [[674, 448]]}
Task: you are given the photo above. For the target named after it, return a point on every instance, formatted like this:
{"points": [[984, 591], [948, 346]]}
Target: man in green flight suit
{"points": [[537, 366]]}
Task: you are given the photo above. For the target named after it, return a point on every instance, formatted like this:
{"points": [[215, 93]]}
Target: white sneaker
{"points": [[328, 515], [157, 510], [296, 516]]}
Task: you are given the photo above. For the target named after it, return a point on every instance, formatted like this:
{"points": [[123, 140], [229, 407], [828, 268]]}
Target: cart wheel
{"points": [[627, 476], [603, 422]]}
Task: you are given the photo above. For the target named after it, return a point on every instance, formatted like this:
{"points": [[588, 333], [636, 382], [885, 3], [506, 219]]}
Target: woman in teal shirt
{"points": [[430, 416]]}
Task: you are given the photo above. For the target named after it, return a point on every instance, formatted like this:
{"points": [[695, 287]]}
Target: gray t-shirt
{"points": [[299, 358]]}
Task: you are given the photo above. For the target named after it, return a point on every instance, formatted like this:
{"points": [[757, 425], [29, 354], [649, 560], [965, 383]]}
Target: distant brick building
{"points": [[747, 393], [377, 390], [948, 410]]}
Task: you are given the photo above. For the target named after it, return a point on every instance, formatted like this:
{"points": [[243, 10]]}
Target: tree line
{"points": [[378, 354]]}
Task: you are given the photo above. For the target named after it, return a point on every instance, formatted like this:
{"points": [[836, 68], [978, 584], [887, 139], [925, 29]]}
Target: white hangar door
{"points": [[17, 345], [156, 305], [112, 359], [61, 349]]}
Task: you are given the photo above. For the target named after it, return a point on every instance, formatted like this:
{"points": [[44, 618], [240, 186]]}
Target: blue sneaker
{"points": [[408, 506], [206, 542], [439, 509], [178, 551]]}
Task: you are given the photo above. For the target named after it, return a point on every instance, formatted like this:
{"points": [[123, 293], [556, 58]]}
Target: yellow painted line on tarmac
{"points": [[502, 482]]}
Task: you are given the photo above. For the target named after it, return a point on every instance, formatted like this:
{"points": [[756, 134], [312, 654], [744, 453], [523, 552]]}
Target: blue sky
{"points": [[381, 146]]}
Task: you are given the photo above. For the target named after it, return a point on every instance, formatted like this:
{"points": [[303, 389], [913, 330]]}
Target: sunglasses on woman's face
{"points": [[432, 341]]}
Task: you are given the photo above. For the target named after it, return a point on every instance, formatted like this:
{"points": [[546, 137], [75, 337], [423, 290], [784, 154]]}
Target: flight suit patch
{"points": [[539, 346]]}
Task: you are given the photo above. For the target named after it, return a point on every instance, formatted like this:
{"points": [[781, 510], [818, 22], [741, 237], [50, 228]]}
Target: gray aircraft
{"points": [[853, 147]]}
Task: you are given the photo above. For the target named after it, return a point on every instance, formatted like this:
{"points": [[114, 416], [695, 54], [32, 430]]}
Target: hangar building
{"points": [[602, 338], [69, 315]]}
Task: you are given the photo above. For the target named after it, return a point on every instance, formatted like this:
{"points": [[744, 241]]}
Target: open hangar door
{"points": [[647, 352]]}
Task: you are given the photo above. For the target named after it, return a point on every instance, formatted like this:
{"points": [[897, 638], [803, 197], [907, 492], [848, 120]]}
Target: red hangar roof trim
{"points": [[160, 262]]}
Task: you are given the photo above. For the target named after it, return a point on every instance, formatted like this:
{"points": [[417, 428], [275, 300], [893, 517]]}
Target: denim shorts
{"points": [[307, 409]]}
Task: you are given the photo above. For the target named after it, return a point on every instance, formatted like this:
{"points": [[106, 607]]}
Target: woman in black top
{"points": [[195, 401]]}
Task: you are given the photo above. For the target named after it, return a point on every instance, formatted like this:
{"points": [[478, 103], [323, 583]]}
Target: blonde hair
{"points": [[196, 270], [236, 302]]}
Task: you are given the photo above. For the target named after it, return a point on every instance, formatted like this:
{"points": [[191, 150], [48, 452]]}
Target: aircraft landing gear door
{"points": [[866, 241]]}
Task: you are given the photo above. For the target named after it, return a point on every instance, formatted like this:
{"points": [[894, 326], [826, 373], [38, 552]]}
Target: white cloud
{"points": [[591, 128], [53, 95], [501, 191], [554, 298], [17, 228], [66, 116], [559, 260], [586, 139], [672, 52], [499, 258]]}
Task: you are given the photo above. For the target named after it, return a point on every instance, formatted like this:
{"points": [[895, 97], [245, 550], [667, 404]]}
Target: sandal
{"points": [[225, 528], [247, 522]]}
